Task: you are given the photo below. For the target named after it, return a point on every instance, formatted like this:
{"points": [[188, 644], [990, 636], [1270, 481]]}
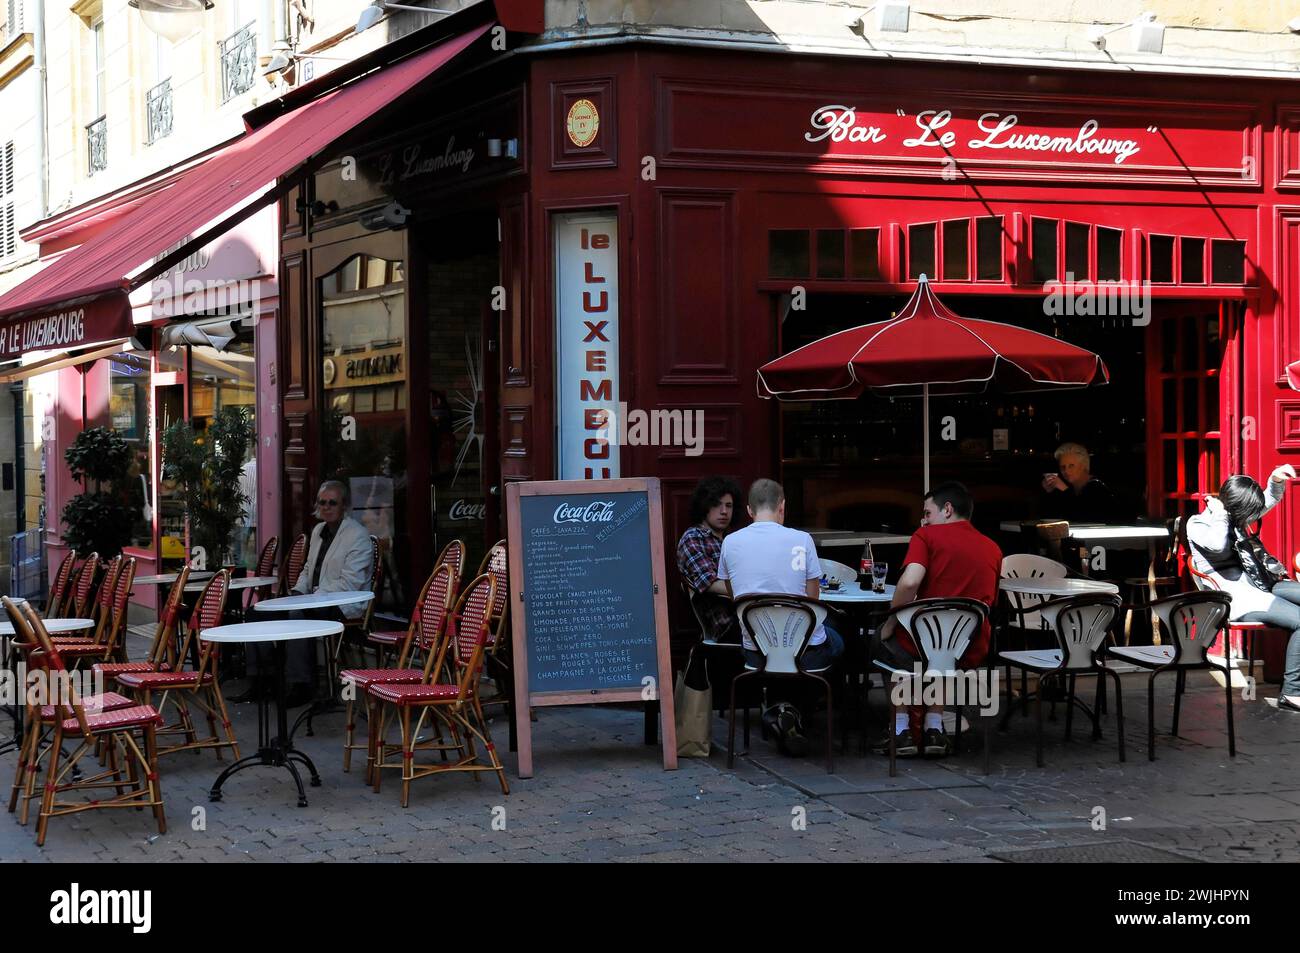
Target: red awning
{"points": [[61, 305]]}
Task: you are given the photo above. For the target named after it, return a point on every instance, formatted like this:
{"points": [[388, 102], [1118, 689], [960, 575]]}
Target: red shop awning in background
{"points": [[81, 298]]}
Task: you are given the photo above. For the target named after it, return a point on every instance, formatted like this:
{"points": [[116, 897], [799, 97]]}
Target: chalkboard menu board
{"points": [[588, 607]]}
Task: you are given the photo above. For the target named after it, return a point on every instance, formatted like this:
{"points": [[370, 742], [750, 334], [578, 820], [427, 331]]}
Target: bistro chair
{"points": [[265, 567], [781, 626], [385, 642], [60, 584], [199, 685], [838, 572], [292, 566], [82, 596], [1161, 579], [1081, 624], [1023, 606], [453, 703], [942, 630], [1192, 620], [496, 659], [157, 659], [727, 656], [40, 717], [427, 628], [69, 718], [1206, 583], [111, 614]]}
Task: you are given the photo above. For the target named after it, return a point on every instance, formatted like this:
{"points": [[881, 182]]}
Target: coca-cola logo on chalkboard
{"points": [[597, 512]]}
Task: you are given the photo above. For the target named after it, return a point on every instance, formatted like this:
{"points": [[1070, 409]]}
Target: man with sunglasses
{"points": [[338, 560]]}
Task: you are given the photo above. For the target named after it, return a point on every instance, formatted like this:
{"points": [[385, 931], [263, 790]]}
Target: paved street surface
{"points": [[600, 794]]}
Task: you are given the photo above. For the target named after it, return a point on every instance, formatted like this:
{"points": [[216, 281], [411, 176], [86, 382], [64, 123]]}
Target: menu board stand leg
{"points": [[652, 723]]}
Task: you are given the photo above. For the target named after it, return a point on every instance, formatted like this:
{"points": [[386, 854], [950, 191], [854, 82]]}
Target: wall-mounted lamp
{"points": [[377, 10], [892, 16], [284, 61], [1148, 34]]}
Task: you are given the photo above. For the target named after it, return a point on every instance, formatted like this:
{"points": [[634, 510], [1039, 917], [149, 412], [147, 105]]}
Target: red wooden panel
{"points": [[697, 280]]}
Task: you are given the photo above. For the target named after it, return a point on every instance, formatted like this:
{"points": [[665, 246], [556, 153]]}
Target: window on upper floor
{"points": [[238, 51], [97, 96], [8, 223], [13, 25], [158, 97]]}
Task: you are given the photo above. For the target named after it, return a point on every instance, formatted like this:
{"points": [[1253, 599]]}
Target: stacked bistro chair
{"points": [[60, 586], [265, 567], [386, 642], [82, 597], [1193, 621], [159, 657], [110, 618], [293, 565], [942, 630], [425, 634], [199, 685], [497, 662], [453, 703], [94, 722], [780, 627], [1081, 625]]}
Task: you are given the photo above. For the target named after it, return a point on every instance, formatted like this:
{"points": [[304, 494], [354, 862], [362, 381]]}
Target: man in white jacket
{"points": [[339, 559], [1240, 503]]}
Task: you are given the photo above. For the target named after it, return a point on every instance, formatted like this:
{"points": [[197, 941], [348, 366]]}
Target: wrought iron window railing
{"points": [[158, 110], [97, 145], [238, 62]]}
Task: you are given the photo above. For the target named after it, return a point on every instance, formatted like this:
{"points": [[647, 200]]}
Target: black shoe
{"points": [[789, 737], [937, 743], [904, 744], [1285, 705], [299, 695]]}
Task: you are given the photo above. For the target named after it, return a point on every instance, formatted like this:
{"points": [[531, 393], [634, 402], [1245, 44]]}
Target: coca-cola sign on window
{"points": [[461, 510]]}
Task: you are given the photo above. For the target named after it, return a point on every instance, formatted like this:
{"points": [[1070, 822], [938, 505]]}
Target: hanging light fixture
{"points": [[173, 20]]}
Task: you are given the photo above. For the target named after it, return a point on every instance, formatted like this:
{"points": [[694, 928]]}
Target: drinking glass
{"points": [[878, 572]]}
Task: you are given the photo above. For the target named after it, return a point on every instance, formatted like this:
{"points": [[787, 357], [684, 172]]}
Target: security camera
{"points": [[392, 215]]}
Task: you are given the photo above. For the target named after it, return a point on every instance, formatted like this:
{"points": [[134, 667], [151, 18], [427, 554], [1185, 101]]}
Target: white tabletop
{"points": [[280, 631], [1086, 531], [1039, 586], [54, 626], [244, 582], [316, 600], [168, 578], [835, 537], [853, 592]]}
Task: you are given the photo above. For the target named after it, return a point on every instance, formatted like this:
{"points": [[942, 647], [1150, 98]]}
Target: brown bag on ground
{"points": [[693, 710]]}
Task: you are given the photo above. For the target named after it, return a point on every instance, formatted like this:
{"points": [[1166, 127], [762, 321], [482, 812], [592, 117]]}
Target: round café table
{"points": [[307, 603], [1038, 586], [243, 582], [853, 592], [278, 750], [167, 578], [53, 626]]}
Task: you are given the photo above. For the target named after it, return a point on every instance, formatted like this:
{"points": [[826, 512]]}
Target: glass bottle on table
{"points": [[865, 578]]}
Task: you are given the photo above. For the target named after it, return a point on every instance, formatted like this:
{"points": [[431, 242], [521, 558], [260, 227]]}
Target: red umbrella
{"points": [[927, 349]]}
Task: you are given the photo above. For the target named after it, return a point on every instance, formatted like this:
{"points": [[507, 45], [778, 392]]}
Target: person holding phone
{"points": [[1224, 547], [1073, 493]]}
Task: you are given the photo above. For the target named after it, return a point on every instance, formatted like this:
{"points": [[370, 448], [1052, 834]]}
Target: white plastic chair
{"points": [[838, 572], [1080, 624], [1193, 620], [781, 627], [1028, 566], [942, 630]]}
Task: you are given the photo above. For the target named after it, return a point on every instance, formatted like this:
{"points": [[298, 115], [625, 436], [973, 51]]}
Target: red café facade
{"points": [[523, 243], [677, 216]]}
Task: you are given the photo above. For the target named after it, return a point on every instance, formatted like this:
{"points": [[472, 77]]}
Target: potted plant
{"points": [[206, 469], [99, 518]]}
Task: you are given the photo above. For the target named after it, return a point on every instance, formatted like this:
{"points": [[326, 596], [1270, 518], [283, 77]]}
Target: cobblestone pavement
{"points": [[600, 794]]}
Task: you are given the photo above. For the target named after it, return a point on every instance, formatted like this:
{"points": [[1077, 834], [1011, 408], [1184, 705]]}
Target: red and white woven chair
{"points": [[454, 703], [110, 614], [427, 629], [60, 584], [157, 659], [293, 565], [199, 685], [82, 597], [63, 718], [385, 642]]}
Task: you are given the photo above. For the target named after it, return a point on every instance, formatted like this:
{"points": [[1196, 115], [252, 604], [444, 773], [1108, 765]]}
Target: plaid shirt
{"points": [[698, 552]]}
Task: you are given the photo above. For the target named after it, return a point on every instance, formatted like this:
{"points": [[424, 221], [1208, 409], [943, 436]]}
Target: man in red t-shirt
{"points": [[947, 557]]}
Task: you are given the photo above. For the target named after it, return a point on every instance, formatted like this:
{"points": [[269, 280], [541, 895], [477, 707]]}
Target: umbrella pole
{"points": [[925, 437]]}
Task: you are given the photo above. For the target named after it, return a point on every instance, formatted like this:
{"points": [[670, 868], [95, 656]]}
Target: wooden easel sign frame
{"points": [[588, 600]]}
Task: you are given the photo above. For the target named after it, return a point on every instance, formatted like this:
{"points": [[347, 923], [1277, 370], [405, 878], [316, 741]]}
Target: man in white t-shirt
{"points": [[768, 558]]}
